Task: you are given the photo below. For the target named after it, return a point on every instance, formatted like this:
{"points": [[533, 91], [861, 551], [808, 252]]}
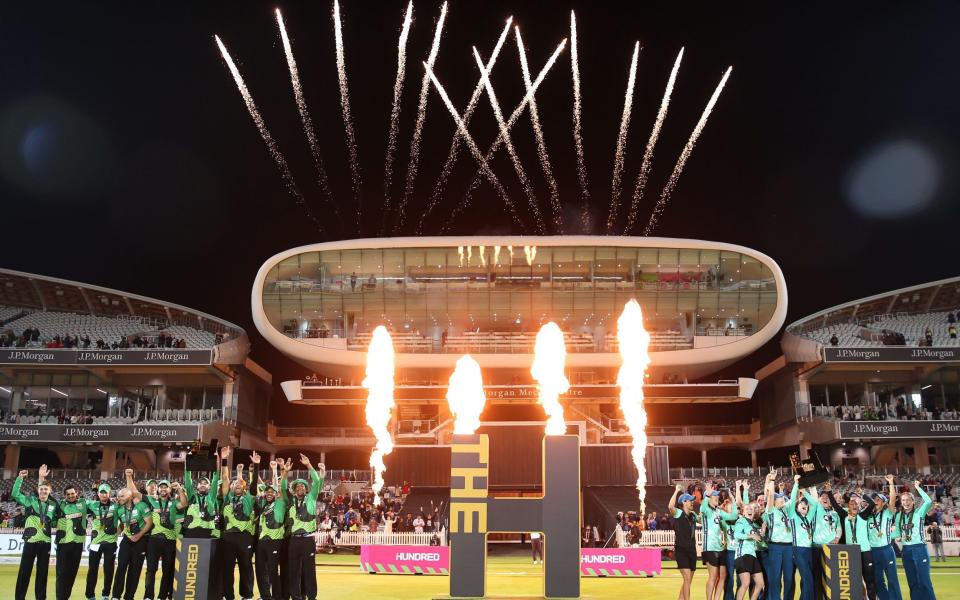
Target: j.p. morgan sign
{"points": [[890, 354], [72, 356], [899, 429], [43, 432]]}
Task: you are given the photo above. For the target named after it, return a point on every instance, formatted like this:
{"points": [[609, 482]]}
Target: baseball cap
{"points": [[779, 495], [165, 482], [714, 493], [686, 498], [149, 481], [104, 487]]}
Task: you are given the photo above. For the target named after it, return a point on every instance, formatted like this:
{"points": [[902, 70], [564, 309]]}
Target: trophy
{"points": [[811, 472]]}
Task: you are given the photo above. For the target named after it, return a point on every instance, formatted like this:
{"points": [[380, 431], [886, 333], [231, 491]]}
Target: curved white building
{"points": [[706, 303]]}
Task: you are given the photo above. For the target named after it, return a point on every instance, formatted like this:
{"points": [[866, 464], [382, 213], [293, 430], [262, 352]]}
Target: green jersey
{"points": [[166, 517], [134, 518], [272, 518], [880, 528], [746, 545], [713, 521], [827, 525], [910, 523], [40, 514], [302, 514], [202, 514], [106, 522], [238, 513], [855, 530], [72, 522]]}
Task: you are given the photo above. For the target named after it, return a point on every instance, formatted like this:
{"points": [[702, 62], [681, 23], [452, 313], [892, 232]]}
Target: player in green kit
{"points": [[40, 511], [134, 515], [302, 516], [200, 506], [714, 521], [239, 526], [271, 510], [827, 529], [103, 545], [71, 536], [916, 557], [162, 541]]}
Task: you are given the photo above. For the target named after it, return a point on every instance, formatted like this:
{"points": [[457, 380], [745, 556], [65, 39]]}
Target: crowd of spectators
{"points": [[896, 411], [30, 338]]}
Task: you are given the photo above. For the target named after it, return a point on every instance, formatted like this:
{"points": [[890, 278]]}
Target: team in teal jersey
{"points": [[908, 522], [714, 521]]}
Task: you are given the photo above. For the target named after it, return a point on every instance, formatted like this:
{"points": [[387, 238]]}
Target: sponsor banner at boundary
{"points": [[44, 432], [890, 354], [620, 562], [87, 356], [405, 560], [11, 544], [899, 429]]}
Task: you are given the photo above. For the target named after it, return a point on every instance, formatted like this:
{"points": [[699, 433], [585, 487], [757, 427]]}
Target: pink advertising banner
{"points": [[620, 562], [405, 560]]}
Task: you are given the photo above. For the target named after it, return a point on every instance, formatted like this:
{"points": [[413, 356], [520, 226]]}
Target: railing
{"points": [[325, 432], [687, 473], [699, 430], [364, 538]]}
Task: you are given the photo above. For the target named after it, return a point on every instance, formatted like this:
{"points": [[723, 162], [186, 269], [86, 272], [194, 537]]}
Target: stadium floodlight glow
{"points": [[7, 390], [926, 386], [101, 391], [59, 392]]}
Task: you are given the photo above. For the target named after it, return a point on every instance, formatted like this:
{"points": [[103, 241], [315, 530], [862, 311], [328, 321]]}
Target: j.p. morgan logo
{"points": [[890, 354], [418, 556], [19, 433], [99, 433], [71, 356], [899, 429], [603, 559]]}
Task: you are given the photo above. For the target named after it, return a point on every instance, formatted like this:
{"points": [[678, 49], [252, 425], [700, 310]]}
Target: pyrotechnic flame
{"points": [[460, 253], [508, 143], [496, 255], [622, 143], [651, 143], [421, 119], [395, 112], [380, 403], [483, 255], [352, 151], [687, 151], [261, 126], [465, 396], [441, 183], [469, 254], [634, 342], [510, 248], [541, 143], [577, 135], [530, 252], [549, 354]]}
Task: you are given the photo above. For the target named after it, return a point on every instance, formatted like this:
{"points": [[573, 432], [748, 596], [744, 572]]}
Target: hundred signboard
{"points": [[74, 356], [49, 432], [898, 429], [890, 354]]}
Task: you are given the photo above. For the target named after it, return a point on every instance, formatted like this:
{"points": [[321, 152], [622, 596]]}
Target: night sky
{"points": [[127, 158]]}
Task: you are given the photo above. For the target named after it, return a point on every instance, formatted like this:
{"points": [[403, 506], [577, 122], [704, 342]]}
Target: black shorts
{"points": [[713, 558], [686, 559], [748, 564]]}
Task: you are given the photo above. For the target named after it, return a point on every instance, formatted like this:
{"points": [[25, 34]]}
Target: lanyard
{"points": [[908, 535], [853, 528]]}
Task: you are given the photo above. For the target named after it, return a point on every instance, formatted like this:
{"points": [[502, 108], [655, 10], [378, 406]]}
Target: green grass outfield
{"points": [[339, 577]]}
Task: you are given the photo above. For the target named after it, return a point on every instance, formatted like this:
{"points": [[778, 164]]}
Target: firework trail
{"points": [[505, 134], [307, 121], [455, 144], [651, 143], [541, 144], [421, 118], [347, 117], [622, 143], [514, 116], [271, 144], [687, 150], [468, 139], [577, 134], [395, 112]]}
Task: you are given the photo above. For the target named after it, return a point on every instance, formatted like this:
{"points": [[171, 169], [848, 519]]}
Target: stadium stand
{"points": [[877, 330]]}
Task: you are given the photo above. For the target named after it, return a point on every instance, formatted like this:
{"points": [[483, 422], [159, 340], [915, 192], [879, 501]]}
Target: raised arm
{"points": [[927, 501], [282, 484], [224, 471], [42, 475], [274, 477], [792, 503], [15, 493], [188, 483], [132, 486], [254, 473], [182, 500], [768, 490], [746, 492], [672, 505], [892, 500]]}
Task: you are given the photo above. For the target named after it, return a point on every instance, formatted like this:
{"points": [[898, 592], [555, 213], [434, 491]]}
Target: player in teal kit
{"points": [[916, 558], [827, 529], [714, 522]]}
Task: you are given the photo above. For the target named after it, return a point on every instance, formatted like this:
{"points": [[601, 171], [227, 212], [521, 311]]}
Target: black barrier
{"points": [[74, 356], [198, 575], [44, 432], [842, 572]]}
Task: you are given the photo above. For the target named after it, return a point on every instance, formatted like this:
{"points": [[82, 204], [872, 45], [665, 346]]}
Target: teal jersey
{"points": [[880, 528], [856, 533], [745, 545], [779, 524], [713, 521], [910, 524], [827, 525]]}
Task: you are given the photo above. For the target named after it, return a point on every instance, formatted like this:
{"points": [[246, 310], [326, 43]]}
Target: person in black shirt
{"points": [[685, 531]]}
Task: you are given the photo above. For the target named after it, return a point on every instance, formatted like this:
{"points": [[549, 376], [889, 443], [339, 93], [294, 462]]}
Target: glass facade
{"points": [[431, 297]]}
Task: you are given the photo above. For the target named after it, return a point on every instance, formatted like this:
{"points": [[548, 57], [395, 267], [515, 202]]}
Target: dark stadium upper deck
{"points": [[705, 303]]}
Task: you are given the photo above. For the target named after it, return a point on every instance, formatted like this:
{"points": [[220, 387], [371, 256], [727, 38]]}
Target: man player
{"points": [[40, 511], [71, 535], [303, 519], [106, 526]]}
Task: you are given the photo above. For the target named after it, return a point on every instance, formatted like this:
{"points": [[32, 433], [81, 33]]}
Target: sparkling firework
{"points": [[634, 342], [687, 150], [530, 252], [441, 183], [499, 141], [541, 144], [577, 134], [508, 143], [651, 143], [421, 118], [465, 396], [395, 111], [352, 151], [622, 143], [271, 144], [484, 167], [380, 402], [549, 355]]}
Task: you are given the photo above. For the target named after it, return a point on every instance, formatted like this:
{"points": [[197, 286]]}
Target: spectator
{"points": [[419, 524], [936, 540], [952, 331], [834, 341]]}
